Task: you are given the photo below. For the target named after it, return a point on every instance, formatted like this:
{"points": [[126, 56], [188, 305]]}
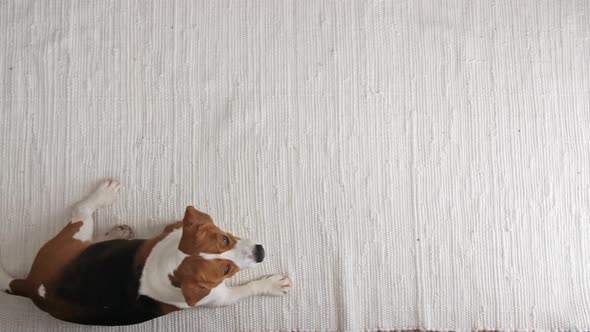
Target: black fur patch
{"points": [[104, 283]]}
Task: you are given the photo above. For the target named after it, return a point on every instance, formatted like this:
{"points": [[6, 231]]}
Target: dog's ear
{"points": [[194, 217], [196, 277], [193, 220], [193, 293]]}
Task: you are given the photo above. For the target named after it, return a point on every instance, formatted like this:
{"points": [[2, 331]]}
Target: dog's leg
{"points": [[104, 195], [121, 232], [276, 285]]}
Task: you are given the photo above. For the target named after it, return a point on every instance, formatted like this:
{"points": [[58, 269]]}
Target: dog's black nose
{"points": [[258, 253]]}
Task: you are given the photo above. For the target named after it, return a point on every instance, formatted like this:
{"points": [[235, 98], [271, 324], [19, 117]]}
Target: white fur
{"points": [[104, 195], [241, 254], [162, 261], [221, 295], [86, 230], [165, 258], [41, 291]]}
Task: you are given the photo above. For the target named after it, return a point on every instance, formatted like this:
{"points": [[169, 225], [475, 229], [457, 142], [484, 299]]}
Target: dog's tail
{"points": [[11, 285], [5, 280]]}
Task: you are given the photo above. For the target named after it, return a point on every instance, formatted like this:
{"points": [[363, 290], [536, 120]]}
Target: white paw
{"points": [[105, 194], [123, 232], [277, 285]]}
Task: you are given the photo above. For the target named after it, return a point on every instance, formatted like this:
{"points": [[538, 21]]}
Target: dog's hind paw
{"points": [[123, 232]]}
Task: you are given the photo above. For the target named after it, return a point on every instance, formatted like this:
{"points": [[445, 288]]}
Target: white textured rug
{"points": [[411, 164]]}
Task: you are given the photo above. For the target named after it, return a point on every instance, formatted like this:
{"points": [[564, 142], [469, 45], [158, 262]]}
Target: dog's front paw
{"points": [[277, 285]]}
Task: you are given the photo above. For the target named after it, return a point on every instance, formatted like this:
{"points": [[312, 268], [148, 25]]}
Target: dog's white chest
{"points": [[162, 261]]}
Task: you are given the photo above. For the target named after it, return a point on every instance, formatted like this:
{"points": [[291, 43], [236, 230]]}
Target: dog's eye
{"points": [[226, 240], [227, 269]]}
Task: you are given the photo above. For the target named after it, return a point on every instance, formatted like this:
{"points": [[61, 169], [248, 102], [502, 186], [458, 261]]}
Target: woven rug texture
{"points": [[410, 164]]}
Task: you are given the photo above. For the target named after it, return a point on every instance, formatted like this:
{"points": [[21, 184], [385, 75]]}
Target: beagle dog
{"points": [[122, 281]]}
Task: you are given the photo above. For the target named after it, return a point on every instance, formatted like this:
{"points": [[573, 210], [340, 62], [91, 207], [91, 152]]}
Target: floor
{"points": [[410, 164]]}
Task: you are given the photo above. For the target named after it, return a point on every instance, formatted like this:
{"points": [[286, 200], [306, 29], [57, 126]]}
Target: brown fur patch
{"points": [[197, 276], [51, 261], [168, 308], [200, 235], [47, 267]]}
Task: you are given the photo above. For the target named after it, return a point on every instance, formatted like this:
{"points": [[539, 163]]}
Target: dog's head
{"points": [[213, 255]]}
